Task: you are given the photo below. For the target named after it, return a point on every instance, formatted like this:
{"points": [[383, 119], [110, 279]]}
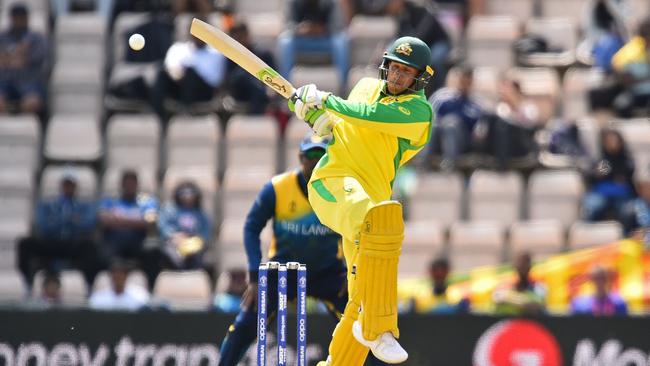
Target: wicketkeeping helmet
{"points": [[409, 51]]}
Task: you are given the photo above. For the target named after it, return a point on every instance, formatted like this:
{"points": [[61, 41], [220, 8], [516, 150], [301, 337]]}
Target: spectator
{"points": [[603, 302], [610, 179], [230, 301], [456, 116], [420, 19], [63, 234], [604, 31], [636, 216], [23, 58], [192, 72], [184, 229], [526, 297], [439, 300], [126, 220], [120, 295], [510, 132], [201, 7], [314, 27], [243, 86], [51, 290], [628, 89]]}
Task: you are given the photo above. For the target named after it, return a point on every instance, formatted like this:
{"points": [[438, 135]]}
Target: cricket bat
{"points": [[241, 56]]}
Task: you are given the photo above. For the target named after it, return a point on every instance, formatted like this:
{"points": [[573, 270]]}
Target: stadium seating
{"points": [[561, 37], [477, 217], [476, 243], [183, 289], [133, 141], [438, 197], [555, 194], [564, 8], [586, 234], [369, 36], [326, 77], [489, 40], [520, 9], [192, 141], [73, 137], [251, 142], [576, 83], [495, 196], [541, 238], [423, 241], [20, 141]]}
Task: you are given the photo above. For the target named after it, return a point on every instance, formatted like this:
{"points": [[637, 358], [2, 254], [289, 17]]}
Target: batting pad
{"points": [[344, 349], [380, 245]]}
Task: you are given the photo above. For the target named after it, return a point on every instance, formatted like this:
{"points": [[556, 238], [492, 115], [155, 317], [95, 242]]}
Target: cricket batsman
{"points": [[383, 123], [298, 236]]}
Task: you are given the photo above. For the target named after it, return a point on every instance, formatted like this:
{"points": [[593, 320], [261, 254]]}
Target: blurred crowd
{"points": [[514, 131]]}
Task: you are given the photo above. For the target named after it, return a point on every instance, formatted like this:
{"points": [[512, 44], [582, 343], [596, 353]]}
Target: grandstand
{"points": [[476, 215]]}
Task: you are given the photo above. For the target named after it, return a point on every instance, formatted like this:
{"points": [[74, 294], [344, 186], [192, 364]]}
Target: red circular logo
{"points": [[517, 343]]}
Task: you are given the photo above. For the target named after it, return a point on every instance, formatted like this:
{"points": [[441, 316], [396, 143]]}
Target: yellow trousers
{"points": [[341, 203]]}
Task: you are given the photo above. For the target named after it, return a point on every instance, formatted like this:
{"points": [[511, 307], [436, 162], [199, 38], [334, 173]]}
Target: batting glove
{"points": [[311, 96], [320, 121]]}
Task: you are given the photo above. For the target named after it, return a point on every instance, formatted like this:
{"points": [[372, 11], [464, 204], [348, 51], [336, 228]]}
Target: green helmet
{"points": [[409, 51]]}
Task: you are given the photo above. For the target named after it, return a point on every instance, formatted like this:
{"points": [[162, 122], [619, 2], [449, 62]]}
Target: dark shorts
{"points": [[15, 91]]}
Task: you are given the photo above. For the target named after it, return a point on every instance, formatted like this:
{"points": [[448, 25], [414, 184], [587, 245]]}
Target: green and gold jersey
{"points": [[374, 135]]}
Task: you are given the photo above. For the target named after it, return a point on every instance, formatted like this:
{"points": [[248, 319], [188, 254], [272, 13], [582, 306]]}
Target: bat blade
{"points": [[241, 55]]}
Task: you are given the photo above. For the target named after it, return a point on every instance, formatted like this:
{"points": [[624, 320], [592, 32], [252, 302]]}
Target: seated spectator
{"points": [[119, 296], [192, 72], [63, 235], [243, 86], [230, 301], [628, 89], [510, 131], [420, 19], [50, 296], [126, 220], [636, 214], [604, 32], [23, 58], [439, 300], [603, 302], [50, 291], [610, 184], [526, 297], [456, 116], [200, 7], [314, 27], [184, 228]]}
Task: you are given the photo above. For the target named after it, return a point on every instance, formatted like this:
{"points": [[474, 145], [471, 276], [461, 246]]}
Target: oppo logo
{"points": [[517, 343]]}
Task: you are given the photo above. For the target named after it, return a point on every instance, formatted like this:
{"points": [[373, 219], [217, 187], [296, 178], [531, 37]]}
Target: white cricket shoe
{"points": [[385, 347]]}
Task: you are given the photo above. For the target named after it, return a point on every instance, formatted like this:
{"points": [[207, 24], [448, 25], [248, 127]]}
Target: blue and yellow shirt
{"points": [[298, 235]]}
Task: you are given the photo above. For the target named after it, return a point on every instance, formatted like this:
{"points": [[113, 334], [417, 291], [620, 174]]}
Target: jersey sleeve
{"points": [[406, 116], [262, 211]]}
